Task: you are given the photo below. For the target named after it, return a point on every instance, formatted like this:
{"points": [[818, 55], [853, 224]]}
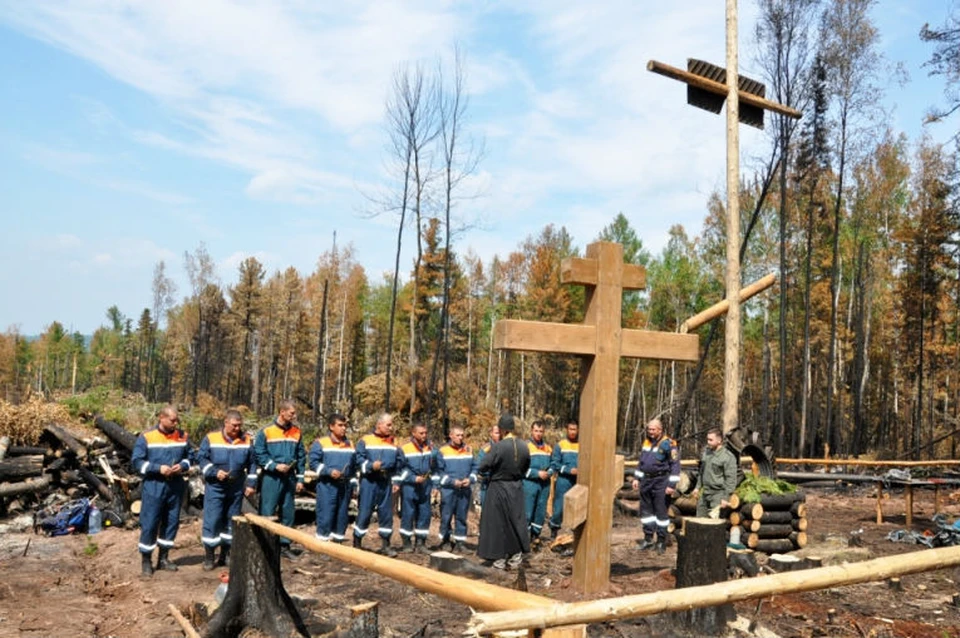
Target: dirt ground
{"points": [[90, 586]]}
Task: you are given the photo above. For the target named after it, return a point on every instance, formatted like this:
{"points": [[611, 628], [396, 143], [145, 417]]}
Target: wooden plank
{"points": [[721, 307], [618, 464], [575, 506], [666, 346], [543, 336], [574, 270], [598, 419]]}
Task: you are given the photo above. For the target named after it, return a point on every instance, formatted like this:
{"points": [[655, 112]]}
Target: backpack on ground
{"points": [[63, 519]]}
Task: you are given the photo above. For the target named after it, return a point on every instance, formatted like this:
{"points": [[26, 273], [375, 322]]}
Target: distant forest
{"points": [[856, 347]]}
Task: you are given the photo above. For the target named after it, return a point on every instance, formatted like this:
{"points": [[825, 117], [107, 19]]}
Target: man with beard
{"points": [[504, 536]]}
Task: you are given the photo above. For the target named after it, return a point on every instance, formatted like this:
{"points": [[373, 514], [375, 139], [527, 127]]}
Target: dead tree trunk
{"points": [[702, 560], [256, 597], [117, 434]]}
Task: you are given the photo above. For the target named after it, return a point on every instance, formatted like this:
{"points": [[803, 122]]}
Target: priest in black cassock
{"points": [[504, 535]]}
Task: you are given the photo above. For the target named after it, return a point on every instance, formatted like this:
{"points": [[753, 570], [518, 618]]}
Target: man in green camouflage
{"points": [[718, 476]]}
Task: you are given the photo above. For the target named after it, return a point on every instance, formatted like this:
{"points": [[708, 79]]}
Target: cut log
{"points": [[770, 545], [117, 433], [67, 440], [752, 510], [774, 531], [96, 484], [701, 560], [799, 539], [776, 518], [686, 504], [24, 487], [364, 621], [799, 509], [786, 563], [735, 518], [814, 561], [780, 501], [750, 526], [4, 446], [734, 501], [135, 507], [256, 597], [799, 524], [21, 467]]}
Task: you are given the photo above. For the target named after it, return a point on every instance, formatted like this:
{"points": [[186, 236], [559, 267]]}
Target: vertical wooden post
{"points": [[731, 377], [879, 502], [598, 418], [908, 505]]}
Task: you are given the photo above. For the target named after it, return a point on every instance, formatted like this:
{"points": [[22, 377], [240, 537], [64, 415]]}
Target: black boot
{"points": [[458, 547], [647, 543], [407, 545], [661, 545], [146, 565], [420, 546], [385, 548], [357, 542], [224, 560], [164, 562], [208, 557]]}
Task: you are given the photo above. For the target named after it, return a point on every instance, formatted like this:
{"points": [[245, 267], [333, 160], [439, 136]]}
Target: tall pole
{"points": [[732, 352]]}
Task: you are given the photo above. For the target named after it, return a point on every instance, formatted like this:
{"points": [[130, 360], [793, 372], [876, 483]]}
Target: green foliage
{"points": [[91, 548], [753, 487]]}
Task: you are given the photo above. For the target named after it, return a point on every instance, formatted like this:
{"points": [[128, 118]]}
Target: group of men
{"points": [[234, 463], [515, 483]]}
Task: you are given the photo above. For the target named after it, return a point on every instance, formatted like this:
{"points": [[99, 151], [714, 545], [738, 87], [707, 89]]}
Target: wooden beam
{"points": [[575, 506], [543, 336], [476, 594], [709, 595], [574, 270], [866, 462], [721, 307], [666, 346], [720, 89]]}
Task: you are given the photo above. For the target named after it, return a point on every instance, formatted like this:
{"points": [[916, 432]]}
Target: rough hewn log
{"points": [[26, 450], [735, 518], [799, 509], [799, 539], [67, 440], [734, 502], [116, 433], [752, 510], [20, 467], [256, 598], [609, 609], [96, 484], [24, 487], [780, 501], [774, 531], [686, 504], [701, 560], [799, 524], [770, 545], [749, 525], [776, 518]]}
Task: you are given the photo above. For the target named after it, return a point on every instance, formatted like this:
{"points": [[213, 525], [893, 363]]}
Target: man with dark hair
{"points": [[279, 451], [332, 458], [457, 470], [377, 459], [162, 457], [229, 473], [717, 478], [536, 481], [564, 461], [656, 476], [504, 536], [416, 463]]}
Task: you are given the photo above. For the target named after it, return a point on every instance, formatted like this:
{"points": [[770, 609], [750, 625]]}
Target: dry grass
{"points": [[24, 423]]}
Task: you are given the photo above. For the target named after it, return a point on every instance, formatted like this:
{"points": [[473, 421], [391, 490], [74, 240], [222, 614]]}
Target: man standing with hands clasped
{"points": [[279, 451], [657, 475], [718, 476]]}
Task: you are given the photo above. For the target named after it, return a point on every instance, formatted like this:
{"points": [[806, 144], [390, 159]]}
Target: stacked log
{"points": [[774, 525], [71, 466]]}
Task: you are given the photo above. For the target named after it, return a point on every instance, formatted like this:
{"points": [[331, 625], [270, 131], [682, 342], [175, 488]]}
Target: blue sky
{"points": [[132, 131]]}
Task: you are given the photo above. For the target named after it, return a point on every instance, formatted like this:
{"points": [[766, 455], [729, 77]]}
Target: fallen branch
{"points": [[184, 623]]}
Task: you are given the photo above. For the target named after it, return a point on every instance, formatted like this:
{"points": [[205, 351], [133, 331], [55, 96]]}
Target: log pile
{"points": [[63, 466], [776, 524]]}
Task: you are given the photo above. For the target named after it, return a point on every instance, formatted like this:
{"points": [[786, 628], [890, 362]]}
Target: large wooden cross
{"points": [[601, 341]]}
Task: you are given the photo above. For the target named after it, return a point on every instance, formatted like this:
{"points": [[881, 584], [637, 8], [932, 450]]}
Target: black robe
{"points": [[503, 520]]}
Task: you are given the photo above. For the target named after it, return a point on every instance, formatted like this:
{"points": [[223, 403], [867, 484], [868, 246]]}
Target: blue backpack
{"points": [[63, 519]]}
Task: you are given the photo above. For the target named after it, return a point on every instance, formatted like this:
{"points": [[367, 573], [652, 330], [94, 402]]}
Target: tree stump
{"points": [[255, 597], [702, 560]]}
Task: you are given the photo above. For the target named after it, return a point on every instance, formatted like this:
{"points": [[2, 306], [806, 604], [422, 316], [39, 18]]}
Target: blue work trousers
{"points": [[375, 494], [333, 501], [160, 502], [653, 506], [562, 486], [278, 490], [415, 510], [221, 502], [454, 504], [535, 495]]}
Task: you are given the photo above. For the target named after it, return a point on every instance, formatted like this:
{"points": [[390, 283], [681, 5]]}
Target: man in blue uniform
{"points": [[162, 457], [332, 458], [416, 464], [564, 462], [458, 472], [279, 451], [377, 459], [657, 475], [536, 481], [230, 473]]}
